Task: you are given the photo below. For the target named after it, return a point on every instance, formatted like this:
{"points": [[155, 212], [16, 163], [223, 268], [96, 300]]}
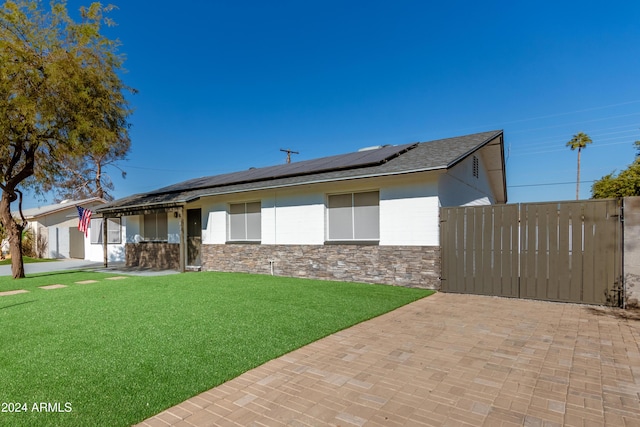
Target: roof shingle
{"points": [[390, 160]]}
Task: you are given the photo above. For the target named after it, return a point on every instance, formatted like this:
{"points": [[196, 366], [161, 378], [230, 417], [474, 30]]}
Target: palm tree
{"points": [[579, 141]]}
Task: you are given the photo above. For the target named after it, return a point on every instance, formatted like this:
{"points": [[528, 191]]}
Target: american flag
{"points": [[84, 216]]}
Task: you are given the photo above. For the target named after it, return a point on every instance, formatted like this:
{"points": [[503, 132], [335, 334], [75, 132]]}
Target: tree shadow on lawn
{"points": [[56, 273], [19, 303]]}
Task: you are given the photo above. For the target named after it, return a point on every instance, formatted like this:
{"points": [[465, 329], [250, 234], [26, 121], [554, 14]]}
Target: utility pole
{"points": [[289, 153]]}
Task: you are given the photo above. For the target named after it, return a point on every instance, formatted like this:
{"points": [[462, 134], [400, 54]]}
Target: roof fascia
{"points": [[477, 148], [322, 181], [503, 165], [503, 170], [140, 209], [66, 206]]}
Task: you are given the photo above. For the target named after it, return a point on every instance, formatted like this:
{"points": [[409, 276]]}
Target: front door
{"points": [[194, 237]]}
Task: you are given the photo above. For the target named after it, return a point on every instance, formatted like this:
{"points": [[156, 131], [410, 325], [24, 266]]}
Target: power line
{"points": [[572, 112], [577, 123], [526, 153], [554, 140], [566, 113], [549, 183], [166, 170]]}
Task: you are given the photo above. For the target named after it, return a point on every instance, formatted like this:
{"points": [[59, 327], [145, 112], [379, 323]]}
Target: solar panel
{"points": [[325, 164]]}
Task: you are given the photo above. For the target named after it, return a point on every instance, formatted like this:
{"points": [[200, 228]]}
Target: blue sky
{"points": [[224, 85]]}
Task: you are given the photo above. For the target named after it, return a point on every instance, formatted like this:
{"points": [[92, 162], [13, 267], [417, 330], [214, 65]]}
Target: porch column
{"points": [[183, 240], [104, 241]]}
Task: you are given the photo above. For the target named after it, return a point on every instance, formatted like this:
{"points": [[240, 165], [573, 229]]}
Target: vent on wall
{"points": [[476, 167]]}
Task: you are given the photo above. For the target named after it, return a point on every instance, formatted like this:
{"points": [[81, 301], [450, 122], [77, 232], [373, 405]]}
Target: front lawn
{"points": [[118, 351]]}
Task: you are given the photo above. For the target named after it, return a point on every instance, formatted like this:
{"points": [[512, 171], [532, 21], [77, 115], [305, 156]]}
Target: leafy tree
{"points": [[61, 98], [625, 184], [579, 141]]}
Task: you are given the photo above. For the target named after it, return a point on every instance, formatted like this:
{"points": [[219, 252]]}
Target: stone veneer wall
{"points": [[411, 266], [154, 255]]}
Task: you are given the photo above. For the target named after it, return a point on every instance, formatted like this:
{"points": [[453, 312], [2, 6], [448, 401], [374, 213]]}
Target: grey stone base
{"points": [[153, 255], [411, 266]]}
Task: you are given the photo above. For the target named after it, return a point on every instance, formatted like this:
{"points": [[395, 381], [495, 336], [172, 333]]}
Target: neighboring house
{"points": [[370, 216], [56, 235], [4, 248]]}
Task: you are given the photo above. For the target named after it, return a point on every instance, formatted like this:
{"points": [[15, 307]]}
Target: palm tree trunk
{"points": [[578, 178]]}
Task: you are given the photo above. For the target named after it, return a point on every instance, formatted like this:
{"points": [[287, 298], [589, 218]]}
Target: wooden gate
{"points": [[568, 251]]}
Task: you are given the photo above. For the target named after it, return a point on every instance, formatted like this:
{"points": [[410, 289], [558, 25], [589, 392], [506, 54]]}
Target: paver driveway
{"points": [[444, 360]]}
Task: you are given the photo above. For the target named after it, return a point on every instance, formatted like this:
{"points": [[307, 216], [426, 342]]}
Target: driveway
{"points": [[455, 360]]}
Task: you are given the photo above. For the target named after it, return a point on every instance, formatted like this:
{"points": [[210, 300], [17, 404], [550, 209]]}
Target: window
{"points": [[155, 227], [95, 231], [244, 222], [354, 216], [113, 231], [114, 234]]}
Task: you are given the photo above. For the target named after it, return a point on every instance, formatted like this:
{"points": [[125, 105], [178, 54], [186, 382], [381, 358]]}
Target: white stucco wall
{"points": [[458, 186], [297, 216], [293, 218], [409, 214], [215, 215], [214, 224], [115, 251]]}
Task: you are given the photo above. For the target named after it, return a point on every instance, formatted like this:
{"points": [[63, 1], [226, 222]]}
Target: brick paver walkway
{"points": [[454, 360]]}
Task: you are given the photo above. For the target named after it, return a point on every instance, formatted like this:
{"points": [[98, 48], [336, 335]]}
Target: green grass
{"points": [[27, 260], [121, 351]]}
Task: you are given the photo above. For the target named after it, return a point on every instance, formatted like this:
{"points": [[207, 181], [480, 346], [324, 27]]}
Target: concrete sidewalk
{"points": [[455, 360], [58, 265], [79, 264]]}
